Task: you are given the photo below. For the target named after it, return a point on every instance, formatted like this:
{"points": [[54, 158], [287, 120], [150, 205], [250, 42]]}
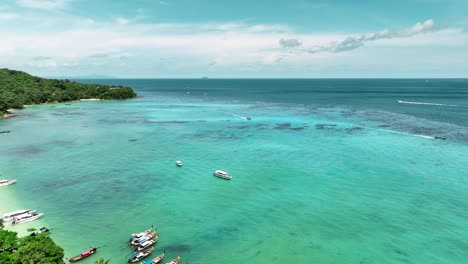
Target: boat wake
{"points": [[243, 117], [407, 134], [434, 104]]}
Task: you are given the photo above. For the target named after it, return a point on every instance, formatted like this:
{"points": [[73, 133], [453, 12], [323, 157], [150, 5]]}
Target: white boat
{"points": [[6, 182], [147, 244], [174, 261], [140, 240], [9, 216], [179, 163], [144, 233], [222, 174], [24, 218]]}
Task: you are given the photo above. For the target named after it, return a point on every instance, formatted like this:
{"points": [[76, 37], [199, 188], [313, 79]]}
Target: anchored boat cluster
{"points": [[142, 245]]}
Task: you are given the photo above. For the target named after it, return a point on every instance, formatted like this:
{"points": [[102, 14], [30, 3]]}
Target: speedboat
{"points": [[140, 255], [222, 174], [179, 163], [9, 216], [24, 218], [6, 182], [175, 261]]}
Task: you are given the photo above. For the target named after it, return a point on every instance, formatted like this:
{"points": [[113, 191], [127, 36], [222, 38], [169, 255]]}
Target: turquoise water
{"points": [[319, 176]]}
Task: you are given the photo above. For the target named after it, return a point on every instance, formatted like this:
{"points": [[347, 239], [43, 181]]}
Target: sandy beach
{"points": [[10, 202]]}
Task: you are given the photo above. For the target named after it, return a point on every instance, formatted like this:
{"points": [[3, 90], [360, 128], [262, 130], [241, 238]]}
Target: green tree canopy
{"points": [[38, 249], [101, 261], [19, 88]]}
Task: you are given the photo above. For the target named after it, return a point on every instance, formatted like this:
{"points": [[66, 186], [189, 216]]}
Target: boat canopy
{"points": [[86, 253]]}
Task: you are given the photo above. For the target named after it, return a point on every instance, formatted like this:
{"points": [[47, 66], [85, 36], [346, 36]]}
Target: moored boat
{"points": [[41, 230], [175, 261], [24, 218], [91, 250], [222, 174], [138, 241], [147, 244], [6, 182], [179, 163], [9, 216], [157, 259], [137, 256], [144, 233]]}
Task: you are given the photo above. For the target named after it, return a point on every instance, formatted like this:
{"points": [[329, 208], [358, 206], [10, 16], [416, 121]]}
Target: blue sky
{"points": [[253, 39]]}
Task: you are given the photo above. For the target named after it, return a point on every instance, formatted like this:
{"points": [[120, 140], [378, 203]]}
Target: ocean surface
{"points": [[326, 171]]}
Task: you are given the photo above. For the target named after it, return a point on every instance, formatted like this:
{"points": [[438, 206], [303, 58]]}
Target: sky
{"points": [[236, 39]]}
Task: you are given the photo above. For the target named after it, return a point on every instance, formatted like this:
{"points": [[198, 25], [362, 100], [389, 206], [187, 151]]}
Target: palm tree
{"points": [[101, 261]]}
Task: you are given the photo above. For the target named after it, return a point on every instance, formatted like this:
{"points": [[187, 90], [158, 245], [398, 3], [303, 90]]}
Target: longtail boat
{"points": [[147, 244], [83, 255], [156, 260], [137, 256], [137, 235], [138, 241], [174, 261]]}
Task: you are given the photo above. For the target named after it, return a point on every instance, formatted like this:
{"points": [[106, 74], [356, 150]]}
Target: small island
{"points": [[19, 88]]}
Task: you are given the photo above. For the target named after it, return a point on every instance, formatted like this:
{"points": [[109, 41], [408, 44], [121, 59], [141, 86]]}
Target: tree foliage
{"points": [[101, 261], [38, 249], [19, 88]]}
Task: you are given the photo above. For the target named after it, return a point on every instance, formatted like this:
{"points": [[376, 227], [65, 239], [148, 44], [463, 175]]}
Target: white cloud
{"points": [[43, 4], [354, 42], [232, 45]]}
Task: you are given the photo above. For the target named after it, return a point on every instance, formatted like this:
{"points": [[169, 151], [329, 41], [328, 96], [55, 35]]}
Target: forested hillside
{"points": [[19, 88]]}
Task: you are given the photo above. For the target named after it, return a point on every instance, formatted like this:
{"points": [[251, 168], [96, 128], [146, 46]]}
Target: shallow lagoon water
{"points": [[318, 182]]}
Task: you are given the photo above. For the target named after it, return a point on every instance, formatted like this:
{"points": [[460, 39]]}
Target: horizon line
{"points": [[248, 78]]}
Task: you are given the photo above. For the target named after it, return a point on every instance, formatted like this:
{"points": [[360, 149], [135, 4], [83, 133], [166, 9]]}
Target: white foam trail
{"points": [[243, 117], [424, 103], [407, 134]]}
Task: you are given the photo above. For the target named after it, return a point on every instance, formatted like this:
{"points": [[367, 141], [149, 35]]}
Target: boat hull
{"points": [[9, 216], [175, 261], [80, 257], [29, 219], [222, 176], [141, 256], [7, 182]]}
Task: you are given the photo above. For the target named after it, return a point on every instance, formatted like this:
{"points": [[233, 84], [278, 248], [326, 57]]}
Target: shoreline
{"points": [[10, 203], [10, 113], [13, 112]]}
